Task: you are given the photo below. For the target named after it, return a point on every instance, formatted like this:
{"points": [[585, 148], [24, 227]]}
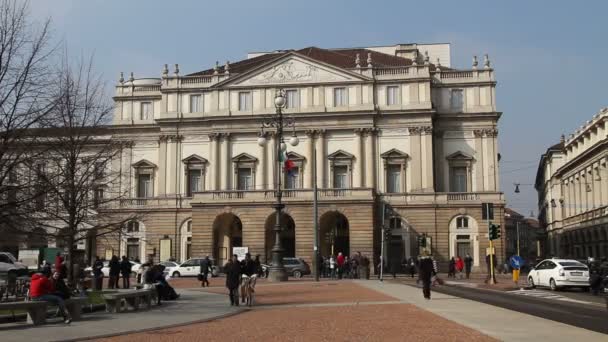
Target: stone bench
{"points": [[132, 299], [36, 311], [74, 306]]}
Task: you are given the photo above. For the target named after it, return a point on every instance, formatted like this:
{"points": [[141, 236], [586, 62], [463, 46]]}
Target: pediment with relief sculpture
{"points": [[296, 70]]}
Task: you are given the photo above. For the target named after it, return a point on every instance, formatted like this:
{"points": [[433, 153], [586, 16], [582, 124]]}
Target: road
{"points": [[577, 309]]}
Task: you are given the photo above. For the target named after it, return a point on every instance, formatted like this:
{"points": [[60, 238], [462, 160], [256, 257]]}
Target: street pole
{"points": [[492, 279], [517, 225], [315, 204]]}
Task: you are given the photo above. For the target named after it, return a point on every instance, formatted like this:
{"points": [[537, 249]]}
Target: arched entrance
{"points": [[186, 241], [464, 238], [288, 235], [334, 234], [227, 233]]}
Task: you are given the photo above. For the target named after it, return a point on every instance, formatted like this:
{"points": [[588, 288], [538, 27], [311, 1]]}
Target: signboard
{"points": [[109, 253], [240, 252], [516, 262], [488, 251]]}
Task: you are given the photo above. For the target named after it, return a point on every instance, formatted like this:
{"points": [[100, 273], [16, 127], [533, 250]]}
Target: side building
{"points": [[393, 124], [572, 185]]}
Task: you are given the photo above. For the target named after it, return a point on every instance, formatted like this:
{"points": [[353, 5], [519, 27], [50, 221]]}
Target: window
{"points": [[244, 101], [97, 197], [292, 179], [146, 110], [133, 248], [245, 179], [189, 228], [144, 185], [393, 178], [395, 223], [340, 176], [392, 95], [292, 99], [458, 181], [340, 97], [462, 222], [456, 100], [99, 170], [133, 227], [195, 104], [188, 248], [195, 181]]}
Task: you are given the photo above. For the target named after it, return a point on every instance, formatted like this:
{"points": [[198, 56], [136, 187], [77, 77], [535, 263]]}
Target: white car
{"points": [[559, 273], [8, 263], [106, 268], [191, 268]]}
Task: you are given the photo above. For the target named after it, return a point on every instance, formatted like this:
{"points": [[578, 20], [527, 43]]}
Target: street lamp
{"points": [[278, 123]]}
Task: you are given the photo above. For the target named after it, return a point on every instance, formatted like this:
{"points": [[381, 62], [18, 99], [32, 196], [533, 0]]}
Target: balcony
{"points": [[289, 195], [443, 198], [152, 203]]}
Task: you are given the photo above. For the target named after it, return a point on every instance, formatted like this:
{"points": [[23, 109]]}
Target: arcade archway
{"points": [[334, 235], [227, 233], [288, 235]]}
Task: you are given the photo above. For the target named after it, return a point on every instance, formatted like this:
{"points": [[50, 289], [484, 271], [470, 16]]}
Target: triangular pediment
{"points": [[340, 154], [295, 69], [394, 153], [459, 155], [144, 164], [295, 156], [194, 159], [244, 158]]}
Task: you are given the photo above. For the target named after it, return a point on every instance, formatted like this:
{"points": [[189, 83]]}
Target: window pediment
{"points": [[341, 155], [295, 156], [144, 164], [394, 156], [194, 159], [244, 158], [459, 155]]}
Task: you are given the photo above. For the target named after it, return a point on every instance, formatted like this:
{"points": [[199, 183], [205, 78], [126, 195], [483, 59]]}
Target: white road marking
{"points": [[547, 295]]}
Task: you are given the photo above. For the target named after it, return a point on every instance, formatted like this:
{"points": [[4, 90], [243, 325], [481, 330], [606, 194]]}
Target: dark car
{"points": [[295, 267]]}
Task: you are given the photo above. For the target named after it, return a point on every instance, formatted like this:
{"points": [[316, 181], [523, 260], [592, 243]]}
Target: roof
{"points": [[512, 213], [533, 223], [341, 58]]}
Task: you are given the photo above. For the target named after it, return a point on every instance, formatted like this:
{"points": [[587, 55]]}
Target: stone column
{"points": [[439, 162], [321, 160], [173, 167], [260, 177], [225, 173], [603, 175], [359, 176], [308, 181], [427, 159], [271, 162], [162, 165], [214, 161], [370, 159], [415, 168]]}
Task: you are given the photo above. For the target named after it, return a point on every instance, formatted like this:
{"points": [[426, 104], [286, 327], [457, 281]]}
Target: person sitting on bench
{"points": [[42, 289]]}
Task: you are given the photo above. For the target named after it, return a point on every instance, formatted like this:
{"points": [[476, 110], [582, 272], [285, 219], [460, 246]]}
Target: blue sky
{"points": [[550, 56]]}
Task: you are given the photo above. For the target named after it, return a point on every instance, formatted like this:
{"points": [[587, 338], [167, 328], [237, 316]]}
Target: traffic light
{"points": [[422, 241], [494, 233]]}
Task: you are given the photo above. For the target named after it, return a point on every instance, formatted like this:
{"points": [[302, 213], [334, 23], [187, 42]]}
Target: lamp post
{"points": [[278, 123]]}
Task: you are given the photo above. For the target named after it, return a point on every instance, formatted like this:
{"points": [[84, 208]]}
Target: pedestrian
{"points": [[595, 281], [41, 289], [204, 271], [394, 268], [412, 263], [114, 265], [468, 264], [125, 271], [151, 278], [59, 286], [233, 279], [258, 265], [451, 268], [365, 267], [320, 264], [332, 267], [340, 264], [98, 274], [58, 262], [426, 272], [459, 266]]}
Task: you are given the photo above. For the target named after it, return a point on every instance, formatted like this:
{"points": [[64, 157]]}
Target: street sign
{"points": [[516, 262], [240, 252]]}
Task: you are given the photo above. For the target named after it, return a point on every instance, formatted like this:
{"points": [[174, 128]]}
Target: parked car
{"points": [[559, 273], [106, 268], [295, 267], [191, 268], [9, 264]]}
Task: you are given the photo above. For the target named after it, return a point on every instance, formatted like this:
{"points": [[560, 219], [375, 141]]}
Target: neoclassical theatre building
{"points": [[388, 124]]}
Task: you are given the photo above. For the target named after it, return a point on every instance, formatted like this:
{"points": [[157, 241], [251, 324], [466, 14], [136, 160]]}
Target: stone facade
{"points": [[386, 126]]}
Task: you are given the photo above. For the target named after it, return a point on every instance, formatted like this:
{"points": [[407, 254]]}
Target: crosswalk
{"points": [[546, 295]]}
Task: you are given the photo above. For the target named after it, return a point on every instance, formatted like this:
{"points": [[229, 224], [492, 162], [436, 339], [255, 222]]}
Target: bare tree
{"points": [[79, 175], [25, 103]]}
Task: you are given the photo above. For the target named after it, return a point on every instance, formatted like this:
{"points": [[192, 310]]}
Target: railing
{"points": [[146, 88], [443, 198], [456, 74], [196, 79], [392, 71], [287, 195], [462, 196], [156, 202], [587, 216]]}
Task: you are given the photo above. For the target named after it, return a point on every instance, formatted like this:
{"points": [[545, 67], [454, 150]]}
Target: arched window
{"points": [[186, 240], [462, 222]]}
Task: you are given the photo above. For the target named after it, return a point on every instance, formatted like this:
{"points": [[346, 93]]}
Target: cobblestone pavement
{"points": [[309, 311], [390, 322]]}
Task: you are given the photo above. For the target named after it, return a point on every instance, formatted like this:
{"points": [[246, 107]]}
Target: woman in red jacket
{"points": [[42, 289], [459, 266]]}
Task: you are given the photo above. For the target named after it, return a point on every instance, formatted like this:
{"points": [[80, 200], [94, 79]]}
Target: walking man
{"points": [[205, 268], [426, 270], [468, 264], [233, 279]]}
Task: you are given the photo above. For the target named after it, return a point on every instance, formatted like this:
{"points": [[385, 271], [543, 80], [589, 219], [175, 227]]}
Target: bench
{"points": [[74, 306], [36, 311], [133, 299]]}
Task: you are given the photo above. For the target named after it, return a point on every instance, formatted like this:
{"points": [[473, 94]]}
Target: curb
{"points": [[136, 331]]}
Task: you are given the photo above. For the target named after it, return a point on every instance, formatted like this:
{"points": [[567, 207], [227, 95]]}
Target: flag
{"points": [[282, 156], [289, 167]]}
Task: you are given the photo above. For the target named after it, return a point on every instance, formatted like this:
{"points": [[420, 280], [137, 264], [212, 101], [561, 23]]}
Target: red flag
{"points": [[289, 166]]}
